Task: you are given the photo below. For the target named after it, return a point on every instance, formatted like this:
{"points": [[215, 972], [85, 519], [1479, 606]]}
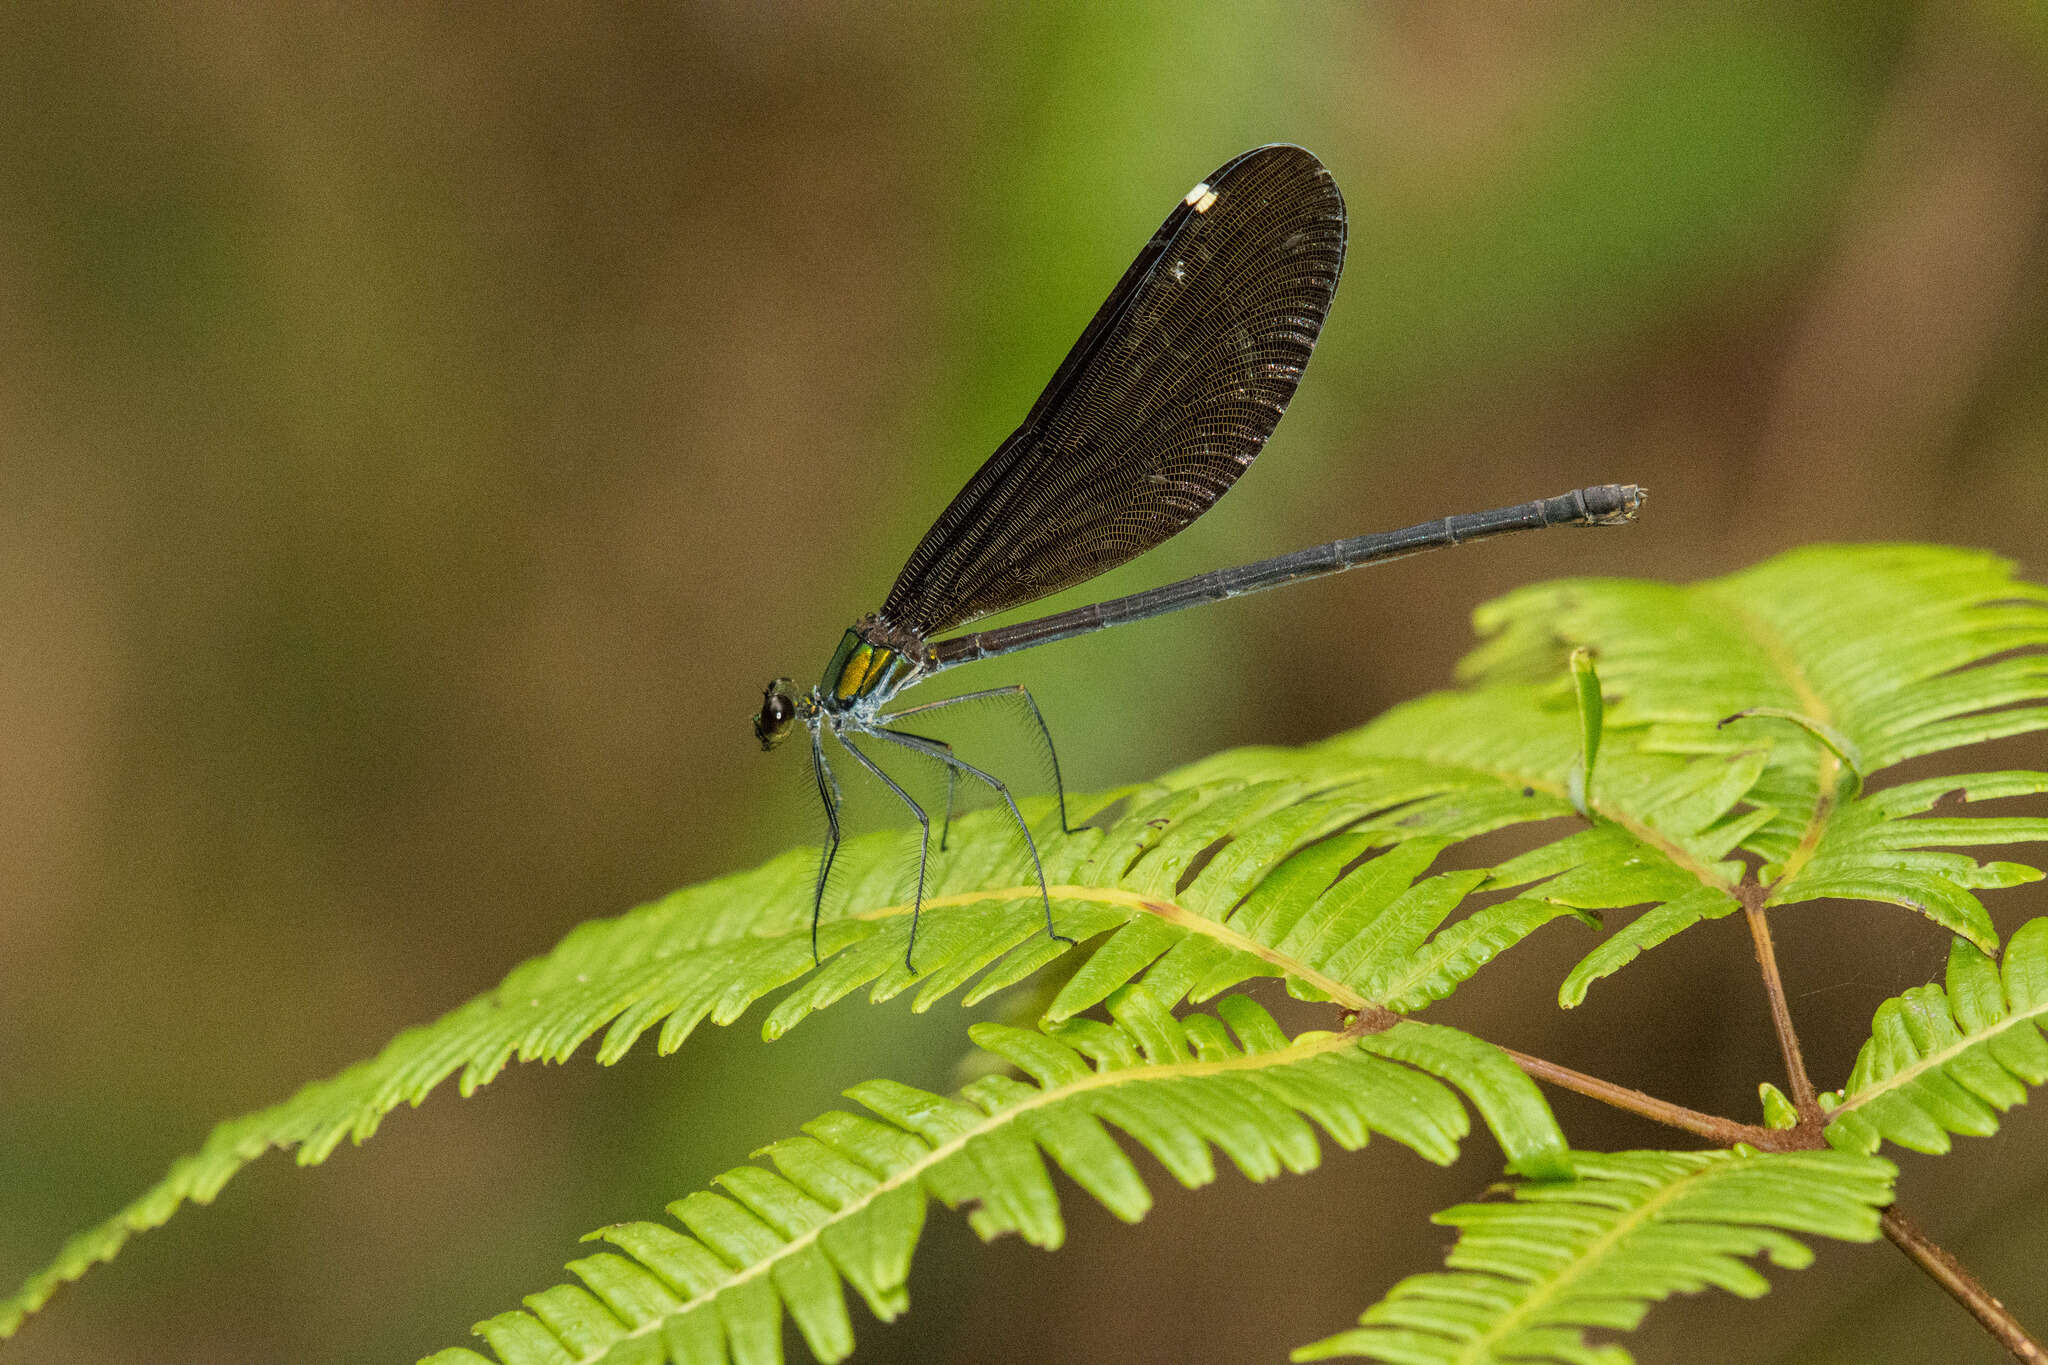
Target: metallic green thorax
{"points": [[860, 668]]}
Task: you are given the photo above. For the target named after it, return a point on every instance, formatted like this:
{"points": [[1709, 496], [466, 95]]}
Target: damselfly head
{"points": [[778, 713]]}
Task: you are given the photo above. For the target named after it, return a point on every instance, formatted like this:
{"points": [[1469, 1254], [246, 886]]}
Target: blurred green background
{"points": [[422, 430]]}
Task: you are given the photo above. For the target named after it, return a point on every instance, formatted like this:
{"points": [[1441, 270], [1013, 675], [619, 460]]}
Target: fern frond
{"points": [[1872, 850], [1892, 651], [1528, 1277], [1941, 1062], [1335, 867], [845, 1204], [1169, 879]]}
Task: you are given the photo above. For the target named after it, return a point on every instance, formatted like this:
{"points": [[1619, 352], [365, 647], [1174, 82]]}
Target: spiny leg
{"points": [[828, 796], [946, 825], [1017, 690], [946, 756], [838, 796], [924, 847]]}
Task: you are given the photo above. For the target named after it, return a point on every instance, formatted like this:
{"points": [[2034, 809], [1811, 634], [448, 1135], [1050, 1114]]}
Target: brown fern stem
{"points": [[1725, 1132], [1803, 1101], [1946, 1271]]}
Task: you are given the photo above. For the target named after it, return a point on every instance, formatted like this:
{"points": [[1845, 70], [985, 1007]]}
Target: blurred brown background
{"points": [[423, 430]]}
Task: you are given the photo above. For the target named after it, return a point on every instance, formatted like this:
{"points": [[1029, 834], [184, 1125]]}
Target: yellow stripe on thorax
{"points": [[863, 670]]}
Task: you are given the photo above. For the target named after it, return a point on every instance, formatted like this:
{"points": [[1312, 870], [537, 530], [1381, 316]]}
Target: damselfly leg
{"points": [[1018, 690], [952, 777], [924, 843], [828, 796], [946, 756]]}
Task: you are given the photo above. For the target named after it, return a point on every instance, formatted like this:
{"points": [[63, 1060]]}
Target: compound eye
{"points": [[778, 711]]}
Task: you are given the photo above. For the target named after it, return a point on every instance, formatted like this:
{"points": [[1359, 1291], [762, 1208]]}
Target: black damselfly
{"points": [[1164, 401]]}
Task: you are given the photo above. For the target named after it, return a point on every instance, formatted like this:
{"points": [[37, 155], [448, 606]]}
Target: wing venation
{"points": [[1164, 401]]}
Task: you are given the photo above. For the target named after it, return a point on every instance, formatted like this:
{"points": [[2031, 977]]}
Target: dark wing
{"points": [[1166, 398]]}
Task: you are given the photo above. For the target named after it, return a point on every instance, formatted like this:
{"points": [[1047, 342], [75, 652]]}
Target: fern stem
{"points": [[1946, 1271], [1803, 1100], [1726, 1132]]}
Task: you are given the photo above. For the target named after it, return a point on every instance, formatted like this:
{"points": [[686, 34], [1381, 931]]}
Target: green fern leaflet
{"points": [[1530, 1275], [846, 1202], [1941, 1062]]}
